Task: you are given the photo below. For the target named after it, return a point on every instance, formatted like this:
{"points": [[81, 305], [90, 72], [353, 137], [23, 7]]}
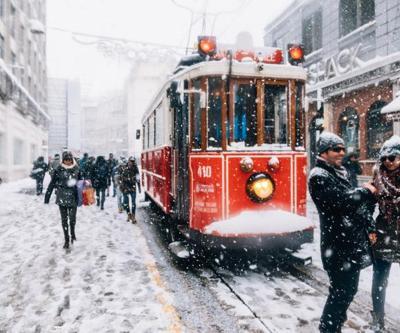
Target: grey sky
{"points": [[154, 21]]}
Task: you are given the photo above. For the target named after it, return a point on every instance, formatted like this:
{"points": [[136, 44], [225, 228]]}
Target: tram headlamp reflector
{"points": [[246, 164], [260, 187]]}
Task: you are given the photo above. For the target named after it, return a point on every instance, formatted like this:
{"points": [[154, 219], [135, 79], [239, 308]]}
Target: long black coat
{"points": [[39, 169], [345, 220], [64, 180]]}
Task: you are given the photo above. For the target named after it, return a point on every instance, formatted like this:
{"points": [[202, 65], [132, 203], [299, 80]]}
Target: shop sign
{"points": [[343, 62]]}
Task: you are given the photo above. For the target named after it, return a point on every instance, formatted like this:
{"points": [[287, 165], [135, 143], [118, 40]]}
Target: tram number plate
{"points": [[204, 171]]}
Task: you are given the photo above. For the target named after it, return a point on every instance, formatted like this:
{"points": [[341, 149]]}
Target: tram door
{"points": [[180, 105]]}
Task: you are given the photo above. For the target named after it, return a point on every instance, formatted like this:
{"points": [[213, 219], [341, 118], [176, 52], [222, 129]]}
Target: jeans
{"points": [[119, 198], [101, 196], [342, 289], [379, 284], [39, 185], [68, 213], [126, 202]]}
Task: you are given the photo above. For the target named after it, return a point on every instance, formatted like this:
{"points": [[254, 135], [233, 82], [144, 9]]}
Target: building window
{"points": [[312, 32], [13, 13], [379, 129], [2, 148], [1, 8], [2, 46], [18, 152], [349, 129], [354, 14]]}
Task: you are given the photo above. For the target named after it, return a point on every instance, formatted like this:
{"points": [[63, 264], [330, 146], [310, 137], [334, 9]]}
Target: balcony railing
{"points": [[12, 90]]}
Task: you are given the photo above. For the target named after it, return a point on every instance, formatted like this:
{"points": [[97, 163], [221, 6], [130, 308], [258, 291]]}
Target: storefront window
{"points": [[349, 129], [379, 129]]}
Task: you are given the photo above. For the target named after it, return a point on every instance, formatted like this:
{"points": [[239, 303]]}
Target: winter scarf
{"points": [[341, 172]]}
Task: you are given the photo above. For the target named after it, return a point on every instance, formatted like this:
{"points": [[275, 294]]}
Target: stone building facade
{"points": [[23, 86], [352, 57]]}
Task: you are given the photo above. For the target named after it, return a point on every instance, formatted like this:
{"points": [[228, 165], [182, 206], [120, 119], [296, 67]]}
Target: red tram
{"points": [[223, 148]]}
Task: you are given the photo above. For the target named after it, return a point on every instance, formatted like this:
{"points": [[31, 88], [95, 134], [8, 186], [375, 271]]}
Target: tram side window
{"points": [[299, 116], [245, 113], [276, 114], [214, 112], [196, 116], [148, 134], [144, 132], [151, 131], [159, 126]]}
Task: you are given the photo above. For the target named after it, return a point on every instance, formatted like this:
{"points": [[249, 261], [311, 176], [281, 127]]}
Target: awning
{"points": [[393, 106]]}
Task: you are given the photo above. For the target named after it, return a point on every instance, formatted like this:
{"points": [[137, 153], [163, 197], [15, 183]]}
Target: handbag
{"points": [[88, 196]]}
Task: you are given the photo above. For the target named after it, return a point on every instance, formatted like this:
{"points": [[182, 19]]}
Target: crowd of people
{"points": [[351, 239], [97, 173]]}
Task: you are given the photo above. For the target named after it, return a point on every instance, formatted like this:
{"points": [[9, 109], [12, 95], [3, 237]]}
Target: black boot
{"points": [[73, 238], [98, 202], [378, 323], [66, 245]]}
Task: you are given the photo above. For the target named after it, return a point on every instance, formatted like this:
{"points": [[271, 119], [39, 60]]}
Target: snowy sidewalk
{"points": [[108, 282]]}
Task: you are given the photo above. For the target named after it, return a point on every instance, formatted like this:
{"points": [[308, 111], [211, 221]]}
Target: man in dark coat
{"points": [[64, 180], [112, 163], [129, 174], [353, 167], [100, 179], [345, 223], [38, 172]]}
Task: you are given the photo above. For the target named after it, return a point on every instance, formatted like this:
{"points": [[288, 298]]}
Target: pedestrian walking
{"points": [[53, 165], [345, 223], [353, 167], [127, 184], [39, 170], [386, 240], [117, 171], [65, 179], [112, 163], [100, 180]]}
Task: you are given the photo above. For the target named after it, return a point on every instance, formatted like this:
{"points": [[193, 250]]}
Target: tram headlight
{"points": [[260, 187]]}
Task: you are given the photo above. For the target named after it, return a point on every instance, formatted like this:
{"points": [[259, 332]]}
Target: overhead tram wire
{"points": [[115, 39]]}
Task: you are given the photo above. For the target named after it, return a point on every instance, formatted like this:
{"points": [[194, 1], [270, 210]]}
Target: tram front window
{"points": [[196, 116], [276, 114], [245, 113], [214, 113]]}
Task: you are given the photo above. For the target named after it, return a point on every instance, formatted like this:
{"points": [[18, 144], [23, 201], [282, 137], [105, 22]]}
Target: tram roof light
{"points": [[207, 45], [295, 54]]}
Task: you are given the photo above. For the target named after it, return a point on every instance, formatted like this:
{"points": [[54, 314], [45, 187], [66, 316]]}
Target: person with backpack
{"points": [[38, 172], [127, 184], [100, 180]]}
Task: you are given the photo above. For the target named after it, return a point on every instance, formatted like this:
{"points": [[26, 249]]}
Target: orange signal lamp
{"points": [[207, 45], [295, 54]]}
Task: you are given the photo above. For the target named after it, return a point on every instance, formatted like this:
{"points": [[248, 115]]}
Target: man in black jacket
{"points": [[39, 170], [345, 224]]}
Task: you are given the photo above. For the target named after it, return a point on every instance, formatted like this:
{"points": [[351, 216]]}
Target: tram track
{"points": [[361, 305], [317, 287]]}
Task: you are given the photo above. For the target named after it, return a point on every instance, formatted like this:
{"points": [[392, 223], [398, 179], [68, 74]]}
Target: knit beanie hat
{"points": [[327, 141], [390, 147]]}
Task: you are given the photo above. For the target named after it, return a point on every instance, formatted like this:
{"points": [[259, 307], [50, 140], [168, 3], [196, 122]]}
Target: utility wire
{"points": [[115, 39]]}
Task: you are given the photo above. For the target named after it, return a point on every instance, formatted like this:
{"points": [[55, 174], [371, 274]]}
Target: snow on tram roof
{"points": [[221, 68]]}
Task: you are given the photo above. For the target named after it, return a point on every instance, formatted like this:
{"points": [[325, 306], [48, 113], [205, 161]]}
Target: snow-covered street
{"points": [[118, 277], [107, 282]]}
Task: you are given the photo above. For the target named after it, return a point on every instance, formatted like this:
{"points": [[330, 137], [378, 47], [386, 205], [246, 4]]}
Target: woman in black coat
{"points": [[387, 236], [64, 180]]}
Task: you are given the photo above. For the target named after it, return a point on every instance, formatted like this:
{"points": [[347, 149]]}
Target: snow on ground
{"points": [[108, 282]]}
